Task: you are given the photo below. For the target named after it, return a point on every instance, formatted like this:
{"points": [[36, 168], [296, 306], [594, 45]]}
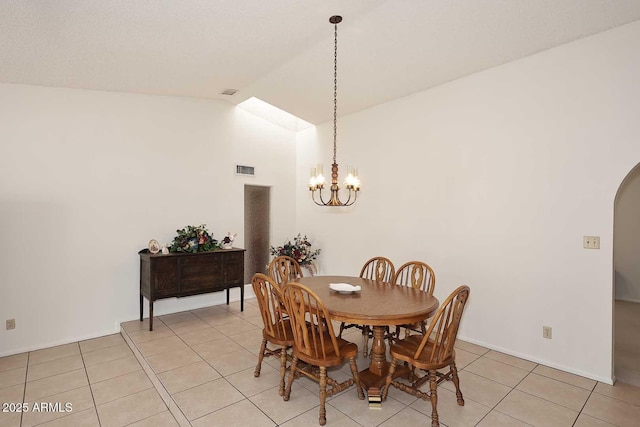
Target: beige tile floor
{"points": [[196, 368]]}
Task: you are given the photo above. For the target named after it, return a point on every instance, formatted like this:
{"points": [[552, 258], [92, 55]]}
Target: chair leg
{"points": [[433, 385], [292, 374], [283, 368], [341, 329], [392, 370], [456, 382], [263, 347], [390, 337], [365, 341], [412, 372], [323, 395], [356, 378]]}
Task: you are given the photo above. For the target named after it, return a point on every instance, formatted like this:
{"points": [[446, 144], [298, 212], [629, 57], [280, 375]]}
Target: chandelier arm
{"points": [[349, 199], [322, 202], [321, 199], [355, 197], [335, 198], [313, 197]]}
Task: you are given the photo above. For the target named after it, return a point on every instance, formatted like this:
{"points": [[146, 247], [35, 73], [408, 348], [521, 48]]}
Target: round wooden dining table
{"points": [[378, 304]]}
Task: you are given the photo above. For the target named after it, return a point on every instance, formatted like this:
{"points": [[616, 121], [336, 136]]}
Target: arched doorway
{"points": [[626, 261]]}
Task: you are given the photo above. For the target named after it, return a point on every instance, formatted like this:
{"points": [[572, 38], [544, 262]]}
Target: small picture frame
{"points": [[154, 246]]}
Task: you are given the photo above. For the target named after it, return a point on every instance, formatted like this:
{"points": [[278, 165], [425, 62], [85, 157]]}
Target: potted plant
{"points": [[192, 239], [300, 250]]}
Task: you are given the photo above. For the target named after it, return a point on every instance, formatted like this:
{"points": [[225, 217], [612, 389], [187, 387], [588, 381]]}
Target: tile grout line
{"points": [[243, 395], [93, 398], [108, 379], [207, 362], [505, 396], [24, 389], [555, 403], [222, 376], [247, 398], [592, 390], [62, 373], [171, 405], [546, 400]]}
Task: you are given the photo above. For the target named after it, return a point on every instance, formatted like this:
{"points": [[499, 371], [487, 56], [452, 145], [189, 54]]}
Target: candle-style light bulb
{"points": [[313, 184], [320, 180], [348, 181]]}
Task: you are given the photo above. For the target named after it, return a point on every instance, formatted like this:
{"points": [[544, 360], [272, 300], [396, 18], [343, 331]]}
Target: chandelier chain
{"points": [[317, 180], [335, 90]]}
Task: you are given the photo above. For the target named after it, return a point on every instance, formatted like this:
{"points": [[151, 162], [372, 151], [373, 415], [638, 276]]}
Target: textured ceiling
{"points": [[281, 51]]}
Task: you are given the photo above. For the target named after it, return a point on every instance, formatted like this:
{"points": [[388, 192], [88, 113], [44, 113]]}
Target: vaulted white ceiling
{"points": [[281, 51]]}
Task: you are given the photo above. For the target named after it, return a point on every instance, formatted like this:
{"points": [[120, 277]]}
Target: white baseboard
{"points": [[606, 380], [115, 330]]}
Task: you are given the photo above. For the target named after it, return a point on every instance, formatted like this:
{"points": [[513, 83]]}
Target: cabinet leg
{"points": [[141, 301], [241, 297], [151, 315], [227, 296]]}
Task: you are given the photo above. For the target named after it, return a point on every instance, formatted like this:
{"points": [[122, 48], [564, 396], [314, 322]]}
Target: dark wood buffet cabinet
{"points": [[186, 274]]}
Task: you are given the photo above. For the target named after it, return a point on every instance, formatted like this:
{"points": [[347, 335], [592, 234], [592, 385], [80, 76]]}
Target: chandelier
{"points": [[317, 181]]}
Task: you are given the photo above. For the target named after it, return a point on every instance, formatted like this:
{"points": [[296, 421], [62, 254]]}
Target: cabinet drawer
{"points": [[201, 273], [200, 267]]}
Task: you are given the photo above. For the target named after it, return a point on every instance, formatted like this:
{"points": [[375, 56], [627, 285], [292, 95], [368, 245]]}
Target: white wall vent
{"points": [[245, 170]]}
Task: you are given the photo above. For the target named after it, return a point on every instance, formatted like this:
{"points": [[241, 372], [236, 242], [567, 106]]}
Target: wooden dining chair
{"points": [[283, 269], [315, 343], [380, 269], [417, 275], [431, 351], [277, 328]]}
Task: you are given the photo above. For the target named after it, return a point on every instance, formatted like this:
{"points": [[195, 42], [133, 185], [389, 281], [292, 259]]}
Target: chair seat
{"points": [[347, 350], [405, 350], [282, 336]]}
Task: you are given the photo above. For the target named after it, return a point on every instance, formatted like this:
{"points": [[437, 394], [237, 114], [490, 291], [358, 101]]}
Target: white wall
{"points": [[627, 237], [493, 180], [88, 178]]}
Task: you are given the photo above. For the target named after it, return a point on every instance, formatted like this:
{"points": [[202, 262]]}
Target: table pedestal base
{"points": [[374, 377], [370, 381]]}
